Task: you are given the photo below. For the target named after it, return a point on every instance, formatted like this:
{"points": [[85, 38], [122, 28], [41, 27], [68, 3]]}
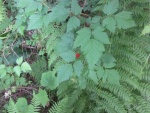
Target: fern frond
{"points": [[38, 68], [113, 102], [34, 106], [12, 108], [60, 107]]}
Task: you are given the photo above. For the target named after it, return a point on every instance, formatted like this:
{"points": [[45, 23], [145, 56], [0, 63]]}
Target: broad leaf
{"points": [[35, 22], [93, 51], [22, 105], [59, 13], [73, 23], [2, 73], [49, 80], [111, 7], [83, 37], [75, 8], [23, 3], [17, 70], [108, 60], [42, 97], [65, 71], [124, 20], [25, 67], [68, 56], [19, 60], [93, 76], [78, 67], [110, 24], [82, 82], [101, 36]]}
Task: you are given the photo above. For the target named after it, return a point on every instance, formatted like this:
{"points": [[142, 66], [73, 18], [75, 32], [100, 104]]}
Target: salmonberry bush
{"points": [[74, 56]]}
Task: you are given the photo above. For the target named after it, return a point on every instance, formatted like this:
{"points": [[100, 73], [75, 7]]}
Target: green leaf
{"points": [[65, 71], [33, 5], [82, 82], [108, 60], [2, 73], [110, 24], [93, 76], [49, 80], [111, 7], [42, 97], [22, 105], [124, 20], [112, 76], [93, 51], [75, 8], [23, 3], [59, 13], [68, 56], [146, 30], [73, 23], [83, 37], [100, 72], [19, 60], [25, 67], [35, 22], [78, 67], [17, 70], [101, 36]]}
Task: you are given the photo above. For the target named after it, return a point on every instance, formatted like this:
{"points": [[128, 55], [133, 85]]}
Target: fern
{"points": [[60, 107], [39, 67]]}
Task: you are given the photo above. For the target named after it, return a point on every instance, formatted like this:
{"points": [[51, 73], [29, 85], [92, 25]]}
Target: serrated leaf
{"points": [[111, 7], [59, 13], [68, 56], [101, 36], [73, 23], [93, 76], [25, 67], [82, 38], [65, 71], [19, 60], [42, 97], [110, 24], [49, 80], [93, 51], [75, 8], [32, 6], [78, 67], [146, 30], [95, 19], [17, 70], [35, 22], [22, 105], [66, 43], [112, 76], [124, 20]]}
